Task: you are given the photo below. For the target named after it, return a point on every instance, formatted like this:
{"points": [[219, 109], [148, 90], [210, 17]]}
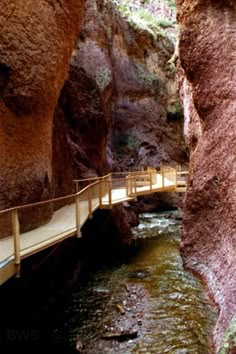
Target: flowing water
{"points": [[147, 304]]}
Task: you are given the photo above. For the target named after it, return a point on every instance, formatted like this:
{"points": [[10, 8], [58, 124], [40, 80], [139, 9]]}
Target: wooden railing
{"points": [[14, 212], [100, 192], [168, 173], [182, 176]]}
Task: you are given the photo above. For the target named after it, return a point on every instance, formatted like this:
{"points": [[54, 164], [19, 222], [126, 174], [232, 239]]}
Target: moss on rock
{"points": [[228, 345]]}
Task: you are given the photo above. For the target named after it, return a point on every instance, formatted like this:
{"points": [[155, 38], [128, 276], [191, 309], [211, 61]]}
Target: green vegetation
{"points": [[177, 108], [147, 17], [175, 111], [164, 23], [229, 340], [124, 8], [127, 141], [143, 19], [125, 144], [144, 77], [171, 3]]}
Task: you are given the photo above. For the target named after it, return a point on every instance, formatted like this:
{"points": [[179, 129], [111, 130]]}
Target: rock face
{"points": [[146, 121], [207, 50], [37, 39], [119, 106]]}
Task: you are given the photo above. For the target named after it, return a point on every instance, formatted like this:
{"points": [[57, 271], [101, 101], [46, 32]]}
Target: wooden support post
{"points": [[110, 192], [163, 179], [16, 235], [150, 181], [135, 189], [77, 216], [104, 187], [100, 192], [133, 186], [127, 186], [90, 211]]}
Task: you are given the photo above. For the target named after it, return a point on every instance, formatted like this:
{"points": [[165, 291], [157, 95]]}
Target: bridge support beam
{"points": [[77, 216], [109, 193], [150, 174], [100, 193], [16, 235], [90, 211]]}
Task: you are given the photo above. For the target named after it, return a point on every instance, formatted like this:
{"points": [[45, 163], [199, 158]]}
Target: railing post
{"points": [[176, 177], [110, 192], [127, 186], [150, 181], [102, 187], [16, 235], [77, 216], [162, 176], [135, 189], [100, 192], [133, 186], [90, 203]]}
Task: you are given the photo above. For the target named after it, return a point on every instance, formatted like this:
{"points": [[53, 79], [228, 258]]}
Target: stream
{"points": [[145, 304]]}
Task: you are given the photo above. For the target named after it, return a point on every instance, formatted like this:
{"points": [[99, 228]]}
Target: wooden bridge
{"points": [[91, 194]]}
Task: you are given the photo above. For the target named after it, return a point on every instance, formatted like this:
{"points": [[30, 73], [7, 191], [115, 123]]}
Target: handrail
{"points": [[101, 178], [182, 172], [45, 202], [111, 174], [103, 192], [52, 200], [91, 178], [117, 179]]}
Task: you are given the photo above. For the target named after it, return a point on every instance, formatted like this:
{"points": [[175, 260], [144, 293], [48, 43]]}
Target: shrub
{"points": [[163, 23], [171, 3]]}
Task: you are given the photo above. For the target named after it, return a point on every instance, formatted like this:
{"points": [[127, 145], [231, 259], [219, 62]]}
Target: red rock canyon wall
{"points": [[36, 41], [207, 50], [119, 106]]}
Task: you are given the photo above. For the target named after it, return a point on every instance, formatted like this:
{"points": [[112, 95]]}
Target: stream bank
{"points": [[148, 295], [136, 301]]}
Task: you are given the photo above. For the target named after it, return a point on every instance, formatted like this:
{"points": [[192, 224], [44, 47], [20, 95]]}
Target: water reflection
{"points": [[162, 302]]}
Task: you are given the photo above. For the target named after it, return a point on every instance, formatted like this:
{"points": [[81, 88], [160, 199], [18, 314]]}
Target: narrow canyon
{"points": [[90, 87]]}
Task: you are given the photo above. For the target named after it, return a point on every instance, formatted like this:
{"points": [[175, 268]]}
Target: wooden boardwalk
{"points": [[101, 192]]}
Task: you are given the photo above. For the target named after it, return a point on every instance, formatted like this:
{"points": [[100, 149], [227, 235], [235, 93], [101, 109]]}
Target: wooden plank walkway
{"points": [[68, 220]]}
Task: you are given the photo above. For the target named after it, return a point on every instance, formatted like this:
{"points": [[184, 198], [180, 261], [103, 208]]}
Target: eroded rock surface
{"points": [[119, 108], [37, 39], [207, 56]]}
